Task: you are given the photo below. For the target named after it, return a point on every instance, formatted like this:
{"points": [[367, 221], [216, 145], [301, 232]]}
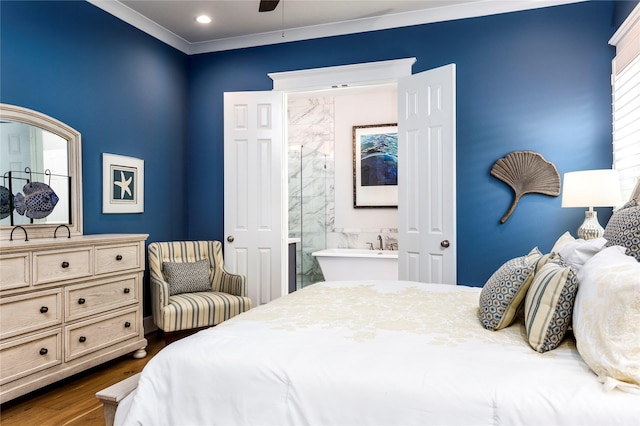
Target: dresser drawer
{"points": [[98, 333], [15, 270], [62, 265], [83, 300], [30, 354], [117, 258], [24, 313]]}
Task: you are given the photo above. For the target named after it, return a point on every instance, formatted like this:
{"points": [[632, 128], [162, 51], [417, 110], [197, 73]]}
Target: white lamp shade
{"points": [[591, 188]]}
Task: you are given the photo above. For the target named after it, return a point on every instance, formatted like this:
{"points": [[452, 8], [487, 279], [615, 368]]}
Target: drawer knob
{"points": [[65, 264], [127, 290], [44, 310], [82, 339], [119, 257], [127, 324], [43, 351], [81, 301]]}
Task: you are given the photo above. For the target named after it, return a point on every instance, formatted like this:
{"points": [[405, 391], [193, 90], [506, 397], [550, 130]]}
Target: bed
{"points": [[550, 339], [371, 352]]}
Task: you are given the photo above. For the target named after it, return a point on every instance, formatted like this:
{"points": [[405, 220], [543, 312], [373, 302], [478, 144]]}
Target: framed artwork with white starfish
{"points": [[122, 184]]}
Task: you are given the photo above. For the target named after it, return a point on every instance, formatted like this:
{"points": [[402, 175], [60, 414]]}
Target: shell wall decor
{"points": [[526, 172]]}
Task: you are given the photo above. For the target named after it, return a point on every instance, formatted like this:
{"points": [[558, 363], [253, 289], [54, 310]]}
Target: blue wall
{"points": [[124, 91], [535, 80]]}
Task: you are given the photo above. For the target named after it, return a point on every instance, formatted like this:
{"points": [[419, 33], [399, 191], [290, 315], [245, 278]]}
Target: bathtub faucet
{"points": [[380, 241]]}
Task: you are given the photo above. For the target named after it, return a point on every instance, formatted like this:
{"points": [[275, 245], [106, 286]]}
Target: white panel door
{"points": [[254, 191], [427, 176]]}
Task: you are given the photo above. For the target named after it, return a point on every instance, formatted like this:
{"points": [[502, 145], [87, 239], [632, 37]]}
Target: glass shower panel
{"points": [[314, 202], [307, 209], [294, 167]]}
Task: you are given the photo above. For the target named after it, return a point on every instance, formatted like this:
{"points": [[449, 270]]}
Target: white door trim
{"points": [[342, 76]]}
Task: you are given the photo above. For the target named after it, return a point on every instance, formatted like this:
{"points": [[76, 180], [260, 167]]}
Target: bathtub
{"points": [[357, 264]]}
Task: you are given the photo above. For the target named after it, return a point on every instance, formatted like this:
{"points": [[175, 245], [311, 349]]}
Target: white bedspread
{"points": [[374, 353]]}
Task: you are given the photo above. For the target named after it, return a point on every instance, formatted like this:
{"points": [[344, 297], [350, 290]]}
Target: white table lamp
{"points": [[591, 188]]}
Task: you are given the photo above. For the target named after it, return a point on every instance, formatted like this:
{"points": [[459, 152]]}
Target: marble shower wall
{"points": [[311, 174], [310, 157]]}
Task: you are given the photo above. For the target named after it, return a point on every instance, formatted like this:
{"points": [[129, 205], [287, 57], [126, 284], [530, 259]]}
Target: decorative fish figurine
{"points": [[37, 202], [6, 198]]}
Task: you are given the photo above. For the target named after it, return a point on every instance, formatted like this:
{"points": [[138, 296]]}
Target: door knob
{"points": [[230, 238], [444, 243]]}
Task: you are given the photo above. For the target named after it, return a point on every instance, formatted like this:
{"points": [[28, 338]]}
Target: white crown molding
{"points": [[130, 16], [342, 75], [427, 16], [626, 26]]}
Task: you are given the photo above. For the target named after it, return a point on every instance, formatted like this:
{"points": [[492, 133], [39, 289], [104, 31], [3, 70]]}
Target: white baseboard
{"points": [[149, 326]]}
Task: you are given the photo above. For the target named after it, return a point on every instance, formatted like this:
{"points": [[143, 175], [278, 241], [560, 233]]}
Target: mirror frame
{"points": [[74, 154]]}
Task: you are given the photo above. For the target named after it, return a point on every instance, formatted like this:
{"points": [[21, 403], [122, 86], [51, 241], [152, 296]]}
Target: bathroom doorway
{"points": [[426, 123], [320, 173]]}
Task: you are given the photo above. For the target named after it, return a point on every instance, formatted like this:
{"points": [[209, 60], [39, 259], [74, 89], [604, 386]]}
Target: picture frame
{"points": [[375, 165], [122, 184]]}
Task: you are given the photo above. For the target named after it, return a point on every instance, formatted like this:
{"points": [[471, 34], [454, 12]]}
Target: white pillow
{"points": [[564, 239], [577, 252], [606, 318]]}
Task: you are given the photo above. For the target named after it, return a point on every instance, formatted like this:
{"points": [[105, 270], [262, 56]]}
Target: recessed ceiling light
{"points": [[203, 19]]}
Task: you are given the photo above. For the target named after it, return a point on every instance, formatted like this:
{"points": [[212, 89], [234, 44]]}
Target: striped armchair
{"points": [[226, 297]]}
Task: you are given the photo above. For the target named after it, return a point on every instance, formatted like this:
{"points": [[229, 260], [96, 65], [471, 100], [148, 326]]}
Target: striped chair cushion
{"points": [[548, 306], [202, 309]]}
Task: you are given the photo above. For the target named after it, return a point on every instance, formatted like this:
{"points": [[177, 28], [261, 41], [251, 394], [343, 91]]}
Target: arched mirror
{"points": [[41, 168]]}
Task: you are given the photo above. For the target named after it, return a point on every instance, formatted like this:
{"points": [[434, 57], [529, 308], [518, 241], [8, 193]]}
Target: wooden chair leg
{"points": [[168, 337], [172, 336]]}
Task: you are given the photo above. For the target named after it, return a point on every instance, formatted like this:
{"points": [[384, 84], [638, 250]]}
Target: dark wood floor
{"points": [[72, 401]]}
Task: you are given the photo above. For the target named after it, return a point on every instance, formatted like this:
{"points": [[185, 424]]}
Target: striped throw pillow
{"points": [[187, 277], [548, 306], [505, 290]]}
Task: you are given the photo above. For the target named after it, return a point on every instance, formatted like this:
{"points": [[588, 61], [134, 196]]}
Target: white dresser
{"points": [[68, 304]]}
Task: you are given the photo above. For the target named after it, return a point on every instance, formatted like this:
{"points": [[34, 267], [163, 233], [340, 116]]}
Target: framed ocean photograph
{"points": [[375, 165], [122, 184]]}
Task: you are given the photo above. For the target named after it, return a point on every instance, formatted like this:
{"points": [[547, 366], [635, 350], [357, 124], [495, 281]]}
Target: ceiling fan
{"points": [[268, 5]]}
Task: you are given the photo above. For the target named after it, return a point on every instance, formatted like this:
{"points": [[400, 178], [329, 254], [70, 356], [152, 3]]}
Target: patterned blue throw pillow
{"points": [[187, 277], [504, 292], [623, 230]]}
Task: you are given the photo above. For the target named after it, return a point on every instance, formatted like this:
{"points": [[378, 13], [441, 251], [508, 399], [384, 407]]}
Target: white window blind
{"points": [[626, 102]]}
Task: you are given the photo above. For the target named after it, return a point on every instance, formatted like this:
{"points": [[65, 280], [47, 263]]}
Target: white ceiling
{"points": [[238, 24]]}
